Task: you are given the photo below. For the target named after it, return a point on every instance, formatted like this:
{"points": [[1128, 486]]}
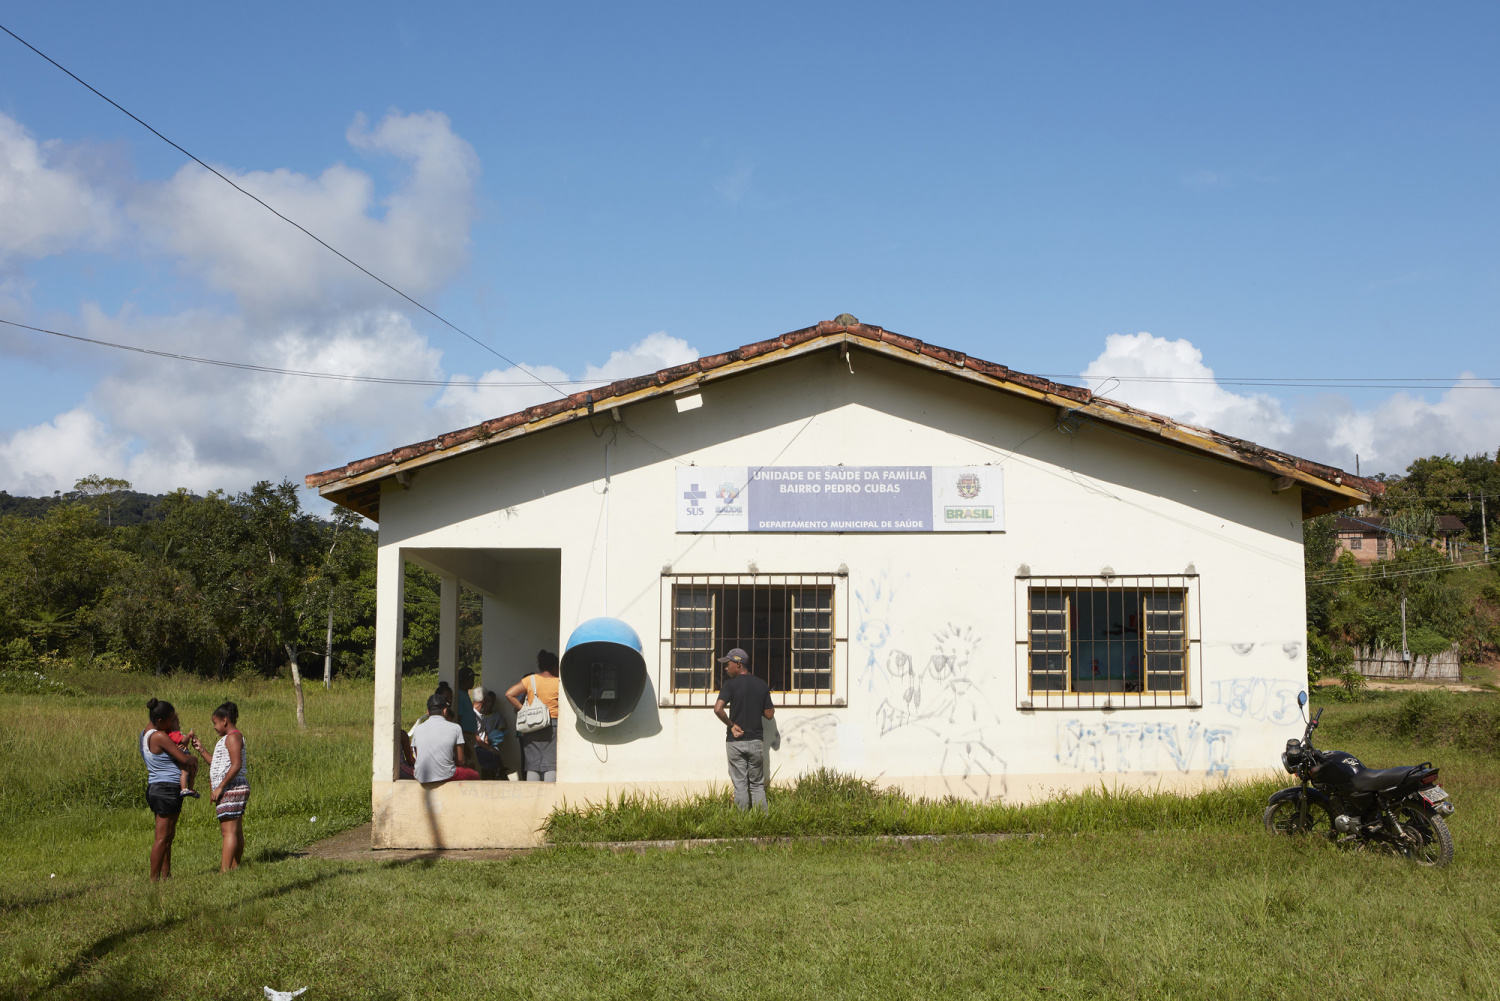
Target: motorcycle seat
{"points": [[1376, 779]]}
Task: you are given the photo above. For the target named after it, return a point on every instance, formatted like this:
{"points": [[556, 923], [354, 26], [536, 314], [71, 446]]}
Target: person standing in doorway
{"points": [[539, 748], [464, 714], [748, 699]]}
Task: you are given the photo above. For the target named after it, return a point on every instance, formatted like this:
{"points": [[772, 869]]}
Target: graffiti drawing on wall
{"points": [[873, 628], [939, 694], [933, 693], [1271, 700], [811, 739], [1143, 747], [972, 770]]}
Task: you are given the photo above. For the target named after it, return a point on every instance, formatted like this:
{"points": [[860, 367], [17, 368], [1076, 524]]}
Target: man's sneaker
{"points": [[191, 792]]}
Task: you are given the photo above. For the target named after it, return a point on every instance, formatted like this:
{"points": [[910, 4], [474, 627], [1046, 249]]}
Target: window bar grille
{"points": [[787, 623], [1108, 641]]}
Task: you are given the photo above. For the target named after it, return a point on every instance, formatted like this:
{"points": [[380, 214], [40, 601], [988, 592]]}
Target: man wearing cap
{"points": [[749, 702], [439, 745]]}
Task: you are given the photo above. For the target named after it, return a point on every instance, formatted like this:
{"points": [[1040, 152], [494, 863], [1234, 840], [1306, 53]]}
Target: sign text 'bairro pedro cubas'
{"points": [[840, 499]]}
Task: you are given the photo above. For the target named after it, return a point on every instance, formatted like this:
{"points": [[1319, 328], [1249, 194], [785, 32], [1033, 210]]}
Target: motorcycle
{"points": [[1398, 810]]}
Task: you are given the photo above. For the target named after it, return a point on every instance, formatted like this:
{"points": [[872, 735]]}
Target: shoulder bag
{"points": [[534, 715]]}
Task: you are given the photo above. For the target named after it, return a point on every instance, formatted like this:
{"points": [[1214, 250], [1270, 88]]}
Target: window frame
{"points": [[1029, 698], [834, 696]]}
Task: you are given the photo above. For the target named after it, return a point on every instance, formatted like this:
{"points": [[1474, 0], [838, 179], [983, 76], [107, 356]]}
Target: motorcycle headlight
{"points": [[1286, 762]]}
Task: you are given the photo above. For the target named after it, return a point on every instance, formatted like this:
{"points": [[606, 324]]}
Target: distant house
{"points": [[1369, 537]]}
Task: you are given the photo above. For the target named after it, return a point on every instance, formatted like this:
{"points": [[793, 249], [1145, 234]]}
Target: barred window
{"points": [[693, 667], [787, 623], [1357, 542], [1116, 636]]}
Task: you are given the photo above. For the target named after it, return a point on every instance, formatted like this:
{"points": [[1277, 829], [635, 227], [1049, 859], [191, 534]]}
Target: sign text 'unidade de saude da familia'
{"points": [[840, 499]]}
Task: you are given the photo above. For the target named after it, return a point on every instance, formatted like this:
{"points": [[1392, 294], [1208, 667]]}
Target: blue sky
{"points": [[1277, 190]]}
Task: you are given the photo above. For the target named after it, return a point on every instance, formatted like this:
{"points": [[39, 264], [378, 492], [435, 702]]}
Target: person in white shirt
{"points": [[439, 746]]}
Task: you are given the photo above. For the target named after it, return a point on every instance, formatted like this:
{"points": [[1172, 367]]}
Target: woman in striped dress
{"points": [[231, 784]]}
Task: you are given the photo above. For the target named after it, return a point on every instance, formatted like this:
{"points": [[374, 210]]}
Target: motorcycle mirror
{"points": [[1302, 699]]}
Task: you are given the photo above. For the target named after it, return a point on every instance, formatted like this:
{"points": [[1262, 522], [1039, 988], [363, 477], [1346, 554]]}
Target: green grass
{"points": [[1124, 898], [826, 803]]}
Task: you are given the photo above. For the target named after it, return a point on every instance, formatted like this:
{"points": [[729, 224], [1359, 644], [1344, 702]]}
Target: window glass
{"points": [[786, 628], [1093, 640]]}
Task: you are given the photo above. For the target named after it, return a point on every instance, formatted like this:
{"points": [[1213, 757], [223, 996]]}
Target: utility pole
{"points": [[1484, 526], [1405, 653]]}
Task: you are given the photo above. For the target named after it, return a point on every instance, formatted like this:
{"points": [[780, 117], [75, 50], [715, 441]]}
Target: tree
{"points": [[338, 582], [157, 612], [53, 570], [102, 493], [284, 552], [207, 538]]}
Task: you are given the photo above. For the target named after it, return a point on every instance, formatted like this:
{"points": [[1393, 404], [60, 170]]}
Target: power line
{"points": [[1335, 576], [324, 243], [299, 373]]}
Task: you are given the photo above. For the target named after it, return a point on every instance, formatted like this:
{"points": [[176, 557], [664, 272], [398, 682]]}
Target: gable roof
{"points": [[1324, 488]]}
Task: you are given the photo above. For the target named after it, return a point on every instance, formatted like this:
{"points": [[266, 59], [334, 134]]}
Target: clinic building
{"points": [[956, 578]]}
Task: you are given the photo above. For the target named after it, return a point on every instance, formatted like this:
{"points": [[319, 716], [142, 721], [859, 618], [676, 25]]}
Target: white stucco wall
{"points": [[1074, 503]]}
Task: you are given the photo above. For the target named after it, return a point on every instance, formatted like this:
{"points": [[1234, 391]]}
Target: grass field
{"points": [[1114, 901]]}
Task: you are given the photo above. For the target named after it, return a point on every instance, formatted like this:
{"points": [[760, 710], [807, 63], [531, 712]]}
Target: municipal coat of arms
{"points": [[968, 485]]}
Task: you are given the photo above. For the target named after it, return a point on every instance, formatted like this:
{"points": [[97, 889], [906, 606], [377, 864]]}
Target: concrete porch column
{"points": [[390, 602]]}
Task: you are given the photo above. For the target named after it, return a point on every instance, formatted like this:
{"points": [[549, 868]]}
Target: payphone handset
{"points": [[603, 681]]}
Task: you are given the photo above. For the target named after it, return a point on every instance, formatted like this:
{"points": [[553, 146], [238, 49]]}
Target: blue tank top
{"points": [[159, 765]]}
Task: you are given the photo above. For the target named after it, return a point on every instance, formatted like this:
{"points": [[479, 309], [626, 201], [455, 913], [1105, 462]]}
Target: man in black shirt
{"points": [[749, 702]]}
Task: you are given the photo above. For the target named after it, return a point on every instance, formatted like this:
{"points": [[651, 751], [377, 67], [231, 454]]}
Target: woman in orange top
{"points": [[539, 748]]}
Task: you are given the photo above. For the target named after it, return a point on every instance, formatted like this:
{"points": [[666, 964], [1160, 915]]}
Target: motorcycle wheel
{"points": [[1433, 841], [1286, 818]]}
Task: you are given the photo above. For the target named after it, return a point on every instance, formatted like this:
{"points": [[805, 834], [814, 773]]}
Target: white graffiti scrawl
{"points": [[811, 739], [1143, 747], [1273, 699]]}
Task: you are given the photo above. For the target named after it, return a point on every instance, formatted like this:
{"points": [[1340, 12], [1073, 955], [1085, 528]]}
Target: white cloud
{"points": [[53, 456], [467, 404], [1329, 428], [418, 243], [1203, 402], [48, 204], [655, 351], [163, 424]]}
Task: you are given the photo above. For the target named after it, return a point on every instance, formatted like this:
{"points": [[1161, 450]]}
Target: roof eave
{"points": [[1321, 493]]}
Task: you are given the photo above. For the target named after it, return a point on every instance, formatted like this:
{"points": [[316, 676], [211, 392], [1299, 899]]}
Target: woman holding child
{"points": [[171, 770]]}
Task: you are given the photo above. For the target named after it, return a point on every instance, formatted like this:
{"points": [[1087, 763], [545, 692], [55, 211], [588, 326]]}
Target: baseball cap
{"points": [[436, 704], [736, 656]]}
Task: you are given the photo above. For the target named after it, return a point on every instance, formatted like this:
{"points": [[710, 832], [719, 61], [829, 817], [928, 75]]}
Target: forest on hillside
{"points": [[220, 585], [104, 577]]}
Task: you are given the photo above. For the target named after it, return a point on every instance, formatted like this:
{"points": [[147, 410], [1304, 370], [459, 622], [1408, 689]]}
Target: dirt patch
{"points": [[354, 846], [1404, 686]]}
